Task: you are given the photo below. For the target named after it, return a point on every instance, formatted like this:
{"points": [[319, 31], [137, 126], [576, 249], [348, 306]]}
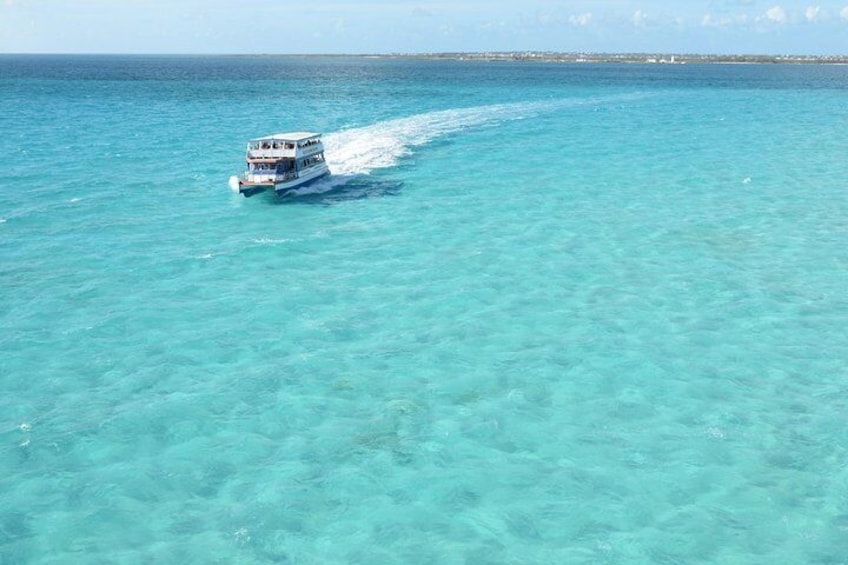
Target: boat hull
{"points": [[286, 187], [306, 178], [248, 190]]}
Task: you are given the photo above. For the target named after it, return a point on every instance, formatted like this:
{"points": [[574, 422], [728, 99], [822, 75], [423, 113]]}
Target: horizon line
{"points": [[511, 54]]}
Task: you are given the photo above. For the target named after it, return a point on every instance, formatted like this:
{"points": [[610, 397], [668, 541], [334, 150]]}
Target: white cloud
{"points": [[546, 19], [813, 13], [639, 18], [710, 20], [724, 20], [491, 26], [580, 19], [844, 13], [419, 12], [776, 14]]}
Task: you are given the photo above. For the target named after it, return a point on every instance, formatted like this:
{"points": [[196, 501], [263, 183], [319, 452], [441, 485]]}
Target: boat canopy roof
{"points": [[293, 136]]}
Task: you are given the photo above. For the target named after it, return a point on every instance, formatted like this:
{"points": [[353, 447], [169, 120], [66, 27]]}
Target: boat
{"points": [[282, 162]]}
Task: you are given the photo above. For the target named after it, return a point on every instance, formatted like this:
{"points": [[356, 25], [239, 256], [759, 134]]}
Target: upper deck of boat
{"points": [[271, 148], [293, 137]]}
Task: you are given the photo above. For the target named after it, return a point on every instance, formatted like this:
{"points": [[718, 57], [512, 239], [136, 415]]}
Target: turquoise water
{"points": [[539, 314]]}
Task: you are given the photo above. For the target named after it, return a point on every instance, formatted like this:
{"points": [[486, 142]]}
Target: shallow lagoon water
{"points": [[540, 313]]}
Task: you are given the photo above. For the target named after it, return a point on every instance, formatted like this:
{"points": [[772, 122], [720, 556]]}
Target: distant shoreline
{"points": [[512, 56], [651, 58]]}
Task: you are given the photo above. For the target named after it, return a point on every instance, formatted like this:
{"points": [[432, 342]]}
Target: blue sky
{"points": [[382, 26]]}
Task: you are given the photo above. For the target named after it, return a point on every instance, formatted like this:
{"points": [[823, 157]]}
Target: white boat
{"points": [[282, 162]]}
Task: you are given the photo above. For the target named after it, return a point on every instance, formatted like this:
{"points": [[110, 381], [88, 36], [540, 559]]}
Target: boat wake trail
{"points": [[359, 151]]}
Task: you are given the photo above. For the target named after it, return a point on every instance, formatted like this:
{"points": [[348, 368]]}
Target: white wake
{"points": [[359, 151]]}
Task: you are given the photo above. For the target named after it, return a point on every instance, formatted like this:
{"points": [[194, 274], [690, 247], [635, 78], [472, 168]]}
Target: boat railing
{"points": [[269, 153], [286, 177], [263, 176], [271, 176]]}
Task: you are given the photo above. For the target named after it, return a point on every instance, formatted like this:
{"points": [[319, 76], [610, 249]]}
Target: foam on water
{"points": [[383, 144], [360, 151]]}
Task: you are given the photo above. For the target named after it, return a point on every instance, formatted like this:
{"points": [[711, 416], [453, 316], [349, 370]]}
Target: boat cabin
{"points": [[282, 161], [281, 157], [283, 145]]}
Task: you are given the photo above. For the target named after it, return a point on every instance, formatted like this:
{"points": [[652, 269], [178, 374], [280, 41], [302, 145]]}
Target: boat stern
{"points": [[248, 188]]}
